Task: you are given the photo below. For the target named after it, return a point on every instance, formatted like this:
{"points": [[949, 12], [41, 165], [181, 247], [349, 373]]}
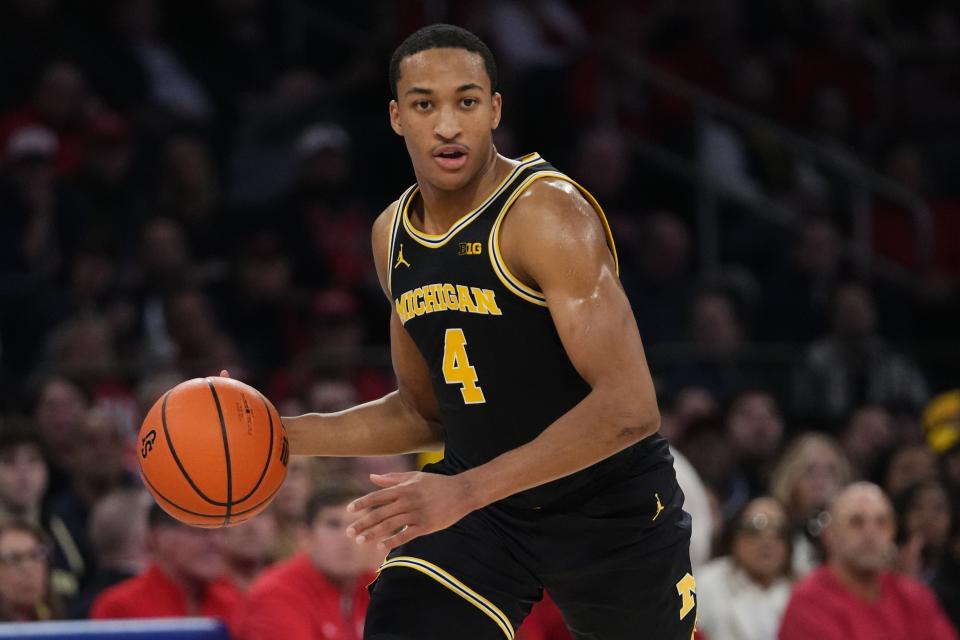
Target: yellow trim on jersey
{"points": [[394, 225], [433, 571], [509, 280], [432, 241]]}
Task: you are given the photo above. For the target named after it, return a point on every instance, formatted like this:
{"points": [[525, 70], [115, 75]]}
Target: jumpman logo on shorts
{"points": [[659, 507], [400, 260]]}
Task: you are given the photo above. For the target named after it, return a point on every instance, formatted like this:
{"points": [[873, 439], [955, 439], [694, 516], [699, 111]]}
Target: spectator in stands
{"points": [[23, 483], [247, 548], [797, 295], [26, 593], [924, 515], [855, 595], [718, 334], [907, 466], [941, 423], [946, 580], [290, 505], [660, 284], [742, 595], [118, 535], [867, 439], [810, 473], [23, 474], [97, 468], [854, 366], [755, 429], [707, 447], [62, 103], [320, 593], [58, 409], [185, 577]]}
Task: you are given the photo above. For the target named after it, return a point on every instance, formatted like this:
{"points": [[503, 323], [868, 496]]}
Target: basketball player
{"points": [[516, 350]]}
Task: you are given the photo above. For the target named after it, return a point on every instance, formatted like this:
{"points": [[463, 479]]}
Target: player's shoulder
{"points": [[384, 220], [553, 210], [554, 198]]}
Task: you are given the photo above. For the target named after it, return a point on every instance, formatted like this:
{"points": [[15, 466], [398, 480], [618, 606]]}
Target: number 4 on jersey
{"points": [[457, 368]]}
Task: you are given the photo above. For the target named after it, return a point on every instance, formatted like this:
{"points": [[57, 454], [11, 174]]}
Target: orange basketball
{"points": [[213, 452]]}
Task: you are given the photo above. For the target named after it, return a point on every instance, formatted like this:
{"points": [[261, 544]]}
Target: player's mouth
{"points": [[451, 157]]}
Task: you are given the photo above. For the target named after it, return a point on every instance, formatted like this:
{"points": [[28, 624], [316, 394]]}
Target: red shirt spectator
{"points": [[822, 608], [153, 594], [294, 601], [186, 578], [320, 593], [855, 596]]}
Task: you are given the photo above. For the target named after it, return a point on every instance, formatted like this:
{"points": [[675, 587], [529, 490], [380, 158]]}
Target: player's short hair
{"points": [[332, 493], [441, 36]]}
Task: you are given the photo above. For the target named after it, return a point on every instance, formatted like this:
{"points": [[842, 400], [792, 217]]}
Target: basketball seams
{"points": [[226, 452], [156, 492], [176, 458], [266, 464]]}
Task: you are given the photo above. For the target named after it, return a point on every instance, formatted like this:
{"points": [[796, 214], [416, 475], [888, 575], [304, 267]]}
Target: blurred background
{"points": [[187, 186]]}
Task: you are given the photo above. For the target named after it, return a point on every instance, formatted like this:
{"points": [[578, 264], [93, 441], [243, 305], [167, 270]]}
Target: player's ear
{"points": [[395, 118], [496, 102]]}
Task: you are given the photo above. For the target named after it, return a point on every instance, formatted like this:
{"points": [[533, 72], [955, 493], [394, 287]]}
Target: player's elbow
{"points": [[635, 420]]}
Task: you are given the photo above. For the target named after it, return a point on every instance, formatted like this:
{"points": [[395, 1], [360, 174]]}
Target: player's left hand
{"points": [[410, 505]]}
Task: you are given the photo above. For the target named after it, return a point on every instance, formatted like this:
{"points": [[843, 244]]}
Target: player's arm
{"points": [[400, 422], [554, 240], [573, 266]]}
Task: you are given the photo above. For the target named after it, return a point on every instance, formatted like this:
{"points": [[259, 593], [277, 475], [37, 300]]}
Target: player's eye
{"points": [[469, 102], [421, 105]]}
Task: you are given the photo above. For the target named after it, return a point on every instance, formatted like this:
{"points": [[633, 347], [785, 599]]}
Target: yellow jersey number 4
{"points": [[457, 368]]}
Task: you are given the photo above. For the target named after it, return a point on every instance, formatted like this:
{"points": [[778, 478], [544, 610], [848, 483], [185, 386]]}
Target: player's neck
{"points": [[441, 208]]}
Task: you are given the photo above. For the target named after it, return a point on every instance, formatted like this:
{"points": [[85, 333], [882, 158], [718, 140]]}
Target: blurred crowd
{"points": [[189, 186]]}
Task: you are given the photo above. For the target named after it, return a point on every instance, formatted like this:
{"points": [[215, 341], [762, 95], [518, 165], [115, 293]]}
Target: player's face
{"points": [[446, 114]]}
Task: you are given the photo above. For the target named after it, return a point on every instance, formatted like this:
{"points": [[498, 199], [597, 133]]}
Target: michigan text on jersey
{"points": [[444, 296]]}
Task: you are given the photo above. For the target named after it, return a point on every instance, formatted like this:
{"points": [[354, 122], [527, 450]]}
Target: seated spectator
{"points": [[98, 466], [24, 477], [907, 466], [742, 595], [811, 471], [853, 365], [186, 576], [755, 429], [26, 592], [924, 514], [867, 439], [941, 423], [58, 407], [946, 580], [289, 506], [856, 596], [320, 593], [248, 548], [118, 536]]}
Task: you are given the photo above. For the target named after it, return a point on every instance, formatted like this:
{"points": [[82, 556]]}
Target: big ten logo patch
{"points": [[470, 248], [245, 414]]}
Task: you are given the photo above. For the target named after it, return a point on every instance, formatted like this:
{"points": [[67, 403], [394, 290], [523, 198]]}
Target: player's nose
{"points": [[448, 125]]}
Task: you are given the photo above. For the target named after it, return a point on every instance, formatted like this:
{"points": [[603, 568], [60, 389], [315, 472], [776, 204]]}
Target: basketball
{"points": [[213, 452]]}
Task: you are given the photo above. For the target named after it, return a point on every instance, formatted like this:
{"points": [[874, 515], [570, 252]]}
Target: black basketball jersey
{"points": [[498, 368]]}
